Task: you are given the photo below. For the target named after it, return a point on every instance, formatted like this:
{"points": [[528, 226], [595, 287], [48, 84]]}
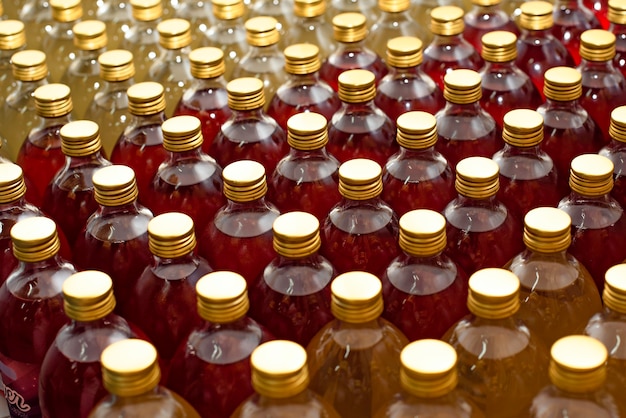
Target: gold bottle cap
{"points": [[115, 185], [296, 235], [416, 130], [147, 98], [591, 175], [617, 128], [422, 233], [597, 45], [12, 35], [477, 178], [90, 35], [523, 128], [394, 6], [357, 86], [493, 293], [53, 100], [245, 93], [614, 294], [349, 27], [578, 364], [447, 20], [222, 297], [228, 9], [499, 46], [12, 185], [29, 65], [536, 15], [562, 84], [130, 367], [244, 181], [116, 65], [262, 31], [182, 133], [302, 59], [207, 62], [547, 230], [35, 239], [309, 8], [462, 86], [428, 368], [174, 33], [307, 131], [171, 235], [404, 52], [486, 3], [617, 12], [356, 297], [80, 138], [279, 369], [1, 8], [360, 179], [88, 296], [66, 10], [146, 10]]}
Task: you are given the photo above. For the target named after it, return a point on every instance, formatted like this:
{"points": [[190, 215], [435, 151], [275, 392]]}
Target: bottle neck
{"points": [[224, 25], [317, 154], [541, 33], [451, 40], [116, 86], [419, 154], [48, 264], [209, 83], [23, 91], [5, 207], [511, 150], [52, 122], [343, 47], [176, 55], [617, 29], [571, 105], [185, 259], [91, 55], [467, 109], [568, 4], [253, 205], [137, 121], [195, 154], [303, 79], [493, 67], [242, 115], [132, 207], [368, 107], [146, 27], [487, 202], [87, 160], [597, 66], [264, 51]]}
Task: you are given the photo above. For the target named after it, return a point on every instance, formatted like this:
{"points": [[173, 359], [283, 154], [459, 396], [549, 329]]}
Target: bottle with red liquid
{"points": [[292, 295], [360, 129], [406, 87], [361, 231], [249, 133], [216, 384], [598, 221], [600, 8], [505, 87], [528, 177], [58, 36], [616, 152], [617, 19], [571, 19], [12, 40], [140, 146], [464, 128], [484, 17], [417, 176], [240, 237], [206, 98], [303, 91], [142, 37], [481, 231], [350, 31], [31, 310], [70, 382], [448, 50], [311, 27], [306, 179], [425, 291]]}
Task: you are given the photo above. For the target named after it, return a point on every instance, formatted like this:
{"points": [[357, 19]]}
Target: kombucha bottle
{"points": [[417, 176], [571, 19], [206, 98], [597, 218], [616, 152], [617, 19], [577, 375], [58, 40], [292, 295], [464, 128], [240, 237], [355, 359], [428, 376], [69, 197], [406, 87], [280, 378], [311, 27], [350, 32], [557, 293], [360, 129], [361, 231], [528, 178], [448, 49], [501, 363], [31, 309], [131, 374], [249, 133], [481, 231], [504, 86], [116, 14], [484, 17], [307, 178], [12, 40], [142, 37], [425, 291], [70, 382]]}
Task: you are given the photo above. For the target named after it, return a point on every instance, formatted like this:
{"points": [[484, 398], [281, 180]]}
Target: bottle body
{"points": [[58, 37], [614, 151], [454, 404], [307, 403], [446, 53], [83, 75], [392, 25], [230, 37], [312, 30], [484, 19], [172, 70], [619, 61], [571, 19], [552, 400], [142, 39], [267, 63], [350, 56], [10, 214]]}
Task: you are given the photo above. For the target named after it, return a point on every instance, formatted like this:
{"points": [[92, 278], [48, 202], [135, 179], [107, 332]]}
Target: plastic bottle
{"points": [[617, 19], [484, 17], [615, 150], [571, 19], [58, 40], [311, 26], [142, 37], [12, 40]]}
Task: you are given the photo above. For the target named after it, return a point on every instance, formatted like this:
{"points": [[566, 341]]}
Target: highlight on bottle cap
{"points": [[493, 293], [428, 368], [416, 130], [562, 84], [262, 31], [147, 98], [404, 52], [422, 233], [617, 127], [360, 179], [302, 59], [536, 15], [309, 8], [394, 6], [207, 62], [146, 10], [90, 35], [477, 177], [80, 138], [116, 65], [88, 296], [307, 131], [29, 65], [597, 45], [174, 33], [578, 364], [171, 235], [462, 86], [617, 12], [35, 239], [130, 367], [523, 128], [547, 230], [222, 297], [53, 100], [12, 185], [591, 175], [244, 181], [499, 46], [66, 10], [447, 20], [228, 9], [115, 185], [357, 86], [279, 369], [12, 35], [296, 235], [614, 294], [182, 133], [486, 3], [356, 297], [349, 27], [245, 93]]}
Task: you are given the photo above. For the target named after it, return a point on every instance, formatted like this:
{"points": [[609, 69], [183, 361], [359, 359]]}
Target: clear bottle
{"points": [[131, 374], [117, 16], [311, 26], [571, 19], [142, 37], [281, 10], [484, 17], [361, 231], [501, 363], [354, 360], [616, 152], [12, 40], [199, 14], [617, 19], [36, 15], [59, 36], [366, 7], [600, 8]]}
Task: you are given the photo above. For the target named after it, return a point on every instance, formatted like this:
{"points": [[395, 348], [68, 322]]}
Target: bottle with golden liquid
{"points": [[311, 26], [12, 40], [116, 14], [617, 26], [484, 17], [142, 37], [615, 151], [58, 40]]}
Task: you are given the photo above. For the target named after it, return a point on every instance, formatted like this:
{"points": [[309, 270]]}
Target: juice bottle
{"points": [[361, 231], [354, 360], [311, 26], [142, 37], [615, 150], [571, 19], [417, 176], [58, 38], [116, 14], [131, 374], [307, 178], [425, 291], [617, 19], [484, 17], [12, 40], [292, 295], [501, 363]]}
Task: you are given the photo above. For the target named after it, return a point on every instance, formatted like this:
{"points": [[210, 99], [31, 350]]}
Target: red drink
{"points": [[617, 19], [616, 152], [600, 9], [484, 17], [571, 19]]}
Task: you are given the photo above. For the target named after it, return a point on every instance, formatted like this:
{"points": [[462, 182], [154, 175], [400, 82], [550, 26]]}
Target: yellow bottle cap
{"points": [[244, 181], [416, 130], [486, 3], [53, 100], [360, 179], [174, 33], [12, 185], [617, 128], [578, 364], [147, 98], [262, 31], [356, 297], [246, 93], [309, 8], [493, 293], [597, 45], [279, 369], [562, 84], [523, 128], [182, 133], [66, 10], [116, 65], [462, 86], [146, 10], [207, 62], [477, 178], [394, 6], [80, 138], [422, 233], [115, 185], [404, 52], [29, 65], [428, 368], [547, 230], [222, 297], [536, 15], [614, 294], [499, 46], [88, 296], [349, 27], [617, 12], [35, 239], [447, 20], [228, 9], [12, 35], [90, 35], [171, 235], [302, 59], [591, 175], [296, 235], [307, 131], [130, 368], [357, 86]]}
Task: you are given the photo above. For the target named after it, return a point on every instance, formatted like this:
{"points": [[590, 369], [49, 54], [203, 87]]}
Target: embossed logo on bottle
{"points": [[16, 400]]}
